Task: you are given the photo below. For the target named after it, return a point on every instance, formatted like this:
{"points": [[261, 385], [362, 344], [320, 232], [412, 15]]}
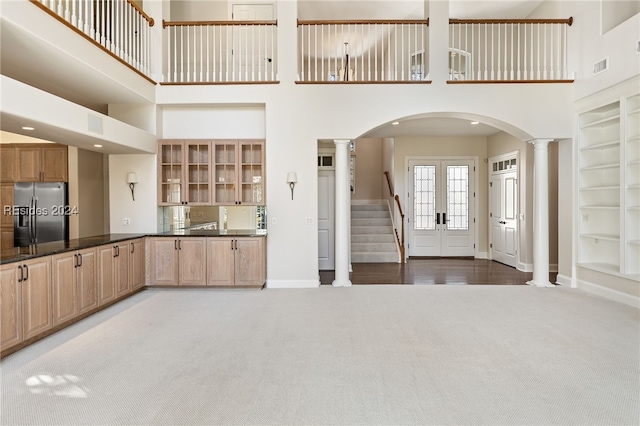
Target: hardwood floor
{"points": [[451, 271]]}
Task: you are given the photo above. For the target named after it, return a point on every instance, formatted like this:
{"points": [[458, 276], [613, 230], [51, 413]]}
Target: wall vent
{"points": [[94, 124], [601, 66]]}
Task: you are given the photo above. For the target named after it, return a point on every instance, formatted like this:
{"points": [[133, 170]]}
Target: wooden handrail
{"points": [[511, 21], [141, 12], [386, 174], [363, 21], [401, 241], [214, 23]]}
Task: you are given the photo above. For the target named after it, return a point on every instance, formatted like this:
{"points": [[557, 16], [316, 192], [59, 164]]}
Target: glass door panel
{"points": [[225, 173]]}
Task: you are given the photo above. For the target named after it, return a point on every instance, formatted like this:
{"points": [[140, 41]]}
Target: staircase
{"points": [[372, 238]]}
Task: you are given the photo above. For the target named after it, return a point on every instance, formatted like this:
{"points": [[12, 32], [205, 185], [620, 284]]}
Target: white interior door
{"points": [[442, 198], [253, 47], [326, 219], [503, 217]]}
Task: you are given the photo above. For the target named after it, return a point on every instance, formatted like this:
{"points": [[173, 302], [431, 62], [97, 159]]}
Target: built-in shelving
{"points": [[632, 181]]}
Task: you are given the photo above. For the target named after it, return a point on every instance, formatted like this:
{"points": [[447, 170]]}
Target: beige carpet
{"points": [[364, 355]]}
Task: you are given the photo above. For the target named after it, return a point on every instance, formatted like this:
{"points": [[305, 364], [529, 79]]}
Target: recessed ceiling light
{"points": [[27, 128], [475, 122], [98, 146], [395, 123]]}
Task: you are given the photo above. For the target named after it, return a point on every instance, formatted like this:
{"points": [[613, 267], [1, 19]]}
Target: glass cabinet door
{"points": [[251, 191], [171, 173], [197, 186], [224, 173]]}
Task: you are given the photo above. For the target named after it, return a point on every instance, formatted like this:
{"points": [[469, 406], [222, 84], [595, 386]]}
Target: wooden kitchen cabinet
{"points": [[7, 164], [136, 264], [6, 221], [41, 163], [236, 261], [74, 284], [239, 172], [178, 261], [36, 296], [184, 172], [113, 272], [10, 306]]}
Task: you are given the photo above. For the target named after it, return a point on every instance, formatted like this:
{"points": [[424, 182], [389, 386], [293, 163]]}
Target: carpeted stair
{"points": [[372, 237]]}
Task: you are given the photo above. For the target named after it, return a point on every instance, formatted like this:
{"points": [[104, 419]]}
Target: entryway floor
{"points": [[453, 271]]}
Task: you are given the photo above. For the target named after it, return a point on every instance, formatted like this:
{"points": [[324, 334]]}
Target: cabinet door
{"points": [[170, 172], [6, 238], [7, 164], [54, 164], [163, 261], [220, 262], [87, 285], [198, 173], [106, 287], [36, 297], [28, 164], [121, 272], [192, 255], [63, 283], [10, 306], [250, 262], [251, 173], [136, 264], [225, 158]]}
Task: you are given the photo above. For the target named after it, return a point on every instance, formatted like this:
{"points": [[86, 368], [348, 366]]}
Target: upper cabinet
{"points": [[239, 172], [34, 163], [202, 172]]}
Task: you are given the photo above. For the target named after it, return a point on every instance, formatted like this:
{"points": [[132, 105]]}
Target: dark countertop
{"points": [[19, 254]]}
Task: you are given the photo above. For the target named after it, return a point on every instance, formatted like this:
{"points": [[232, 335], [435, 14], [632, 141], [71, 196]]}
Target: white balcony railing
{"points": [[382, 51], [119, 26], [220, 52], [508, 50]]}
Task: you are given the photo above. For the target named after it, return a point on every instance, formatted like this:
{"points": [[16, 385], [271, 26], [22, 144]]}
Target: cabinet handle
{"points": [[133, 247], [80, 259], [179, 244], [75, 260], [114, 251], [26, 268], [175, 244], [117, 251], [231, 244], [21, 273]]}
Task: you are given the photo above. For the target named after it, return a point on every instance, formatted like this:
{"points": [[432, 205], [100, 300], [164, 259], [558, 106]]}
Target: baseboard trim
{"points": [[482, 255], [608, 293], [564, 280], [524, 267], [293, 283]]}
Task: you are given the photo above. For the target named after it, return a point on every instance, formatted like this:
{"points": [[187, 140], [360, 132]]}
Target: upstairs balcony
{"points": [[328, 52]]}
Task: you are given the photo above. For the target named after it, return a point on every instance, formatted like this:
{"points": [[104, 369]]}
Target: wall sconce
{"points": [[292, 179], [132, 179]]}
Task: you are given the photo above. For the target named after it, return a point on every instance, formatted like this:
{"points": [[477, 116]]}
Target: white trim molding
{"points": [[564, 280], [609, 293], [293, 283]]}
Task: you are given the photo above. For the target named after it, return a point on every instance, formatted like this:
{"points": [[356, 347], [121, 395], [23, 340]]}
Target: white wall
{"points": [[143, 212], [213, 122], [368, 154], [565, 212]]}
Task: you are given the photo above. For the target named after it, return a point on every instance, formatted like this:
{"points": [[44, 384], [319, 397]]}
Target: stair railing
{"points": [[399, 238]]}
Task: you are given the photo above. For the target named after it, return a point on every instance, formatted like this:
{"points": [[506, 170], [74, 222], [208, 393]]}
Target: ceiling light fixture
{"points": [[98, 146], [475, 122], [27, 128], [395, 123]]}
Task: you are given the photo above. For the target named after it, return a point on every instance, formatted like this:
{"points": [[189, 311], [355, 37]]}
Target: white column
{"points": [[541, 213], [343, 206]]}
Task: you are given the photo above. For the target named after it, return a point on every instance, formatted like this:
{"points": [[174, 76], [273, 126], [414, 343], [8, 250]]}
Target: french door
{"points": [[441, 193]]}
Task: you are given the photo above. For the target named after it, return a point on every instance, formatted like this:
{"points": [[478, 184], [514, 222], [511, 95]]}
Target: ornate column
{"points": [[541, 213], [343, 207]]}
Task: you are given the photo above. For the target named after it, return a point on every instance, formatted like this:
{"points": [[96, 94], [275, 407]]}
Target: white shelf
{"points": [[634, 208], [633, 163], [635, 111], [633, 138], [601, 267], [602, 122], [634, 242], [605, 237], [603, 145], [600, 188], [634, 186], [595, 207], [600, 167]]}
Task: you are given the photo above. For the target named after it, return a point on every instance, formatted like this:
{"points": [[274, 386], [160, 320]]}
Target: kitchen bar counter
{"points": [[19, 254]]}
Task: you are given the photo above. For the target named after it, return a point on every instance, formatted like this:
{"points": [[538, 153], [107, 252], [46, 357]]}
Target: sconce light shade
{"points": [[292, 179], [132, 179]]}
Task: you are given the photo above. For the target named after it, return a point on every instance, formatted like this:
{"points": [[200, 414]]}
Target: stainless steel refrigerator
{"points": [[40, 213]]}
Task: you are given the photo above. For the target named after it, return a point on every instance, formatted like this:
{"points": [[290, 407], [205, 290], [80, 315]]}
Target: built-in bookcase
{"points": [[609, 187], [632, 185]]}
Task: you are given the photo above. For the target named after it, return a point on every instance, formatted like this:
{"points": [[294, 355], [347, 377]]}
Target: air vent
{"points": [[601, 66]]}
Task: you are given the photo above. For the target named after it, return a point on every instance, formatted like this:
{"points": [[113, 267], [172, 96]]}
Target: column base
{"points": [[341, 283], [540, 284]]}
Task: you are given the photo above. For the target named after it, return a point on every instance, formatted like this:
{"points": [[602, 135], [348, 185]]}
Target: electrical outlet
{"points": [[309, 221], [126, 221], [585, 217], [273, 221]]}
